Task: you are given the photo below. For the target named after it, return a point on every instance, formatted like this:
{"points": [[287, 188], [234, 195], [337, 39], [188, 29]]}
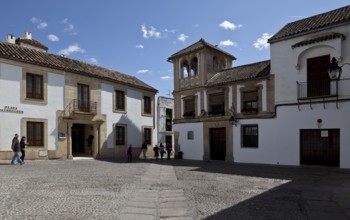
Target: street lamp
{"points": [[233, 121], [335, 70]]}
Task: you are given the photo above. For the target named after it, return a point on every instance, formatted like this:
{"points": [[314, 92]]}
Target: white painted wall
{"points": [[285, 60], [10, 88], [279, 138], [192, 149], [133, 118]]}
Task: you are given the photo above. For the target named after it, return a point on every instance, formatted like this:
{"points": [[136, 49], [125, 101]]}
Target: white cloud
{"points": [[41, 24], [151, 32], [170, 31], [53, 38], [228, 25], [227, 43], [92, 60], [182, 37], [71, 49], [34, 20], [166, 77], [69, 27], [142, 71], [140, 46], [261, 43]]}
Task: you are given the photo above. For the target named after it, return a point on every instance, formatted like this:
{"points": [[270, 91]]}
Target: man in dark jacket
{"points": [[16, 149]]}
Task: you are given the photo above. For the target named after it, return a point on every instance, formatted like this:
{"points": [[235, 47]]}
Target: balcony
{"points": [[317, 89], [82, 107]]}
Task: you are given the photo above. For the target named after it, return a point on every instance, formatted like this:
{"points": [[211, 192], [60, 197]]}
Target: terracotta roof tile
{"points": [[31, 56], [195, 47], [321, 21], [31, 42], [239, 73]]}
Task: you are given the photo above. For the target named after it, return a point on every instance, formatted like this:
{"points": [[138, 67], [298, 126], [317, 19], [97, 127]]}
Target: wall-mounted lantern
{"points": [[335, 70], [233, 121]]}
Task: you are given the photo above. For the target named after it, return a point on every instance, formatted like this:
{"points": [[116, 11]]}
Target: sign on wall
{"points": [[11, 109]]}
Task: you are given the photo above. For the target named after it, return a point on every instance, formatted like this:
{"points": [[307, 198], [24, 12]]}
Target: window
{"points": [[119, 100], [250, 136], [190, 135], [168, 119], [189, 107], [194, 66], [250, 101], [185, 69], [34, 86], [216, 104], [147, 135], [120, 135], [147, 105], [83, 98], [35, 134]]}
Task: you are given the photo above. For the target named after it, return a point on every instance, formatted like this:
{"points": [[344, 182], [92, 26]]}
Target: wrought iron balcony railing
{"points": [[78, 106], [317, 89]]}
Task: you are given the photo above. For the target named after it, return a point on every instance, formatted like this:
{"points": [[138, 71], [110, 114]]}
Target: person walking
{"points": [[161, 150], [168, 149], [144, 149], [129, 153], [16, 149], [156, 151], [23, 145]]}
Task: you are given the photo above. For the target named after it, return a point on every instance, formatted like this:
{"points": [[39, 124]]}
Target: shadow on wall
{"points": [[110, 150]]}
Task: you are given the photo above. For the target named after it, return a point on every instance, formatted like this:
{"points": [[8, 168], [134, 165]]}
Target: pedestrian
{"points": [[161, 150], [129, 153], [23, 145], [156, 151], [144, 149], [168, 150], [16, 149]]}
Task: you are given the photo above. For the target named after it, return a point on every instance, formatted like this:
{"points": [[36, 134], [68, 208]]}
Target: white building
{"points": [[59, 103], [284, 111], [165, 121]]}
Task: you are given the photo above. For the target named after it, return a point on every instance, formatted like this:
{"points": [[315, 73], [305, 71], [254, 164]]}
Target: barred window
{"points": [[35, 134]]}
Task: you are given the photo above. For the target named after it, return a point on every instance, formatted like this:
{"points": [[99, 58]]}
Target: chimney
{"points": [[28, 35], [11, 39]]}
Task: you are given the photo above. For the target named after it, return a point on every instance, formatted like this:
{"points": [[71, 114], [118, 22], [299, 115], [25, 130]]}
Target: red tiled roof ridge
{"points": [[312, 23], [27, 55]]}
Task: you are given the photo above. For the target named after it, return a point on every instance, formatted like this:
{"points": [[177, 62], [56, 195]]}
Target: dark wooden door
{"points": [[78, 141], [320, 147], [317, 76], [217, 143]]}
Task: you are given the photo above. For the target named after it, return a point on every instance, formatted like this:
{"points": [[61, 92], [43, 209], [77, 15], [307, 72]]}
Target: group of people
{"points": [[162, 150], [157, 150], [18, 146]]}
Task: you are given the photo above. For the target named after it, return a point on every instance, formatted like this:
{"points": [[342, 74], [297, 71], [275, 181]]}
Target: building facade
{"points": [[165, 121], [69, 108], [287, 110]]}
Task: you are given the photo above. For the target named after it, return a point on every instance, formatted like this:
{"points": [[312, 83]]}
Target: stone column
{"points": [[69, 140], [95, 144]]}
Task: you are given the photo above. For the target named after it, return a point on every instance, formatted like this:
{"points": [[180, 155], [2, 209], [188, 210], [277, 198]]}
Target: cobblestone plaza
{"points": [[176, 189]]}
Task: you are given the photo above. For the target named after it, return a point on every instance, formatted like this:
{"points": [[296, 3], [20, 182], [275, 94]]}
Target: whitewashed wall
{"points": [[192, 149], [11, 89], [133, 118], [279, 138], [289, 65]]}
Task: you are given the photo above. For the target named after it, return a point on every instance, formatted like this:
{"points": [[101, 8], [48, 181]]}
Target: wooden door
{"points": [[217, 143], [320, 147], [318, 82]]}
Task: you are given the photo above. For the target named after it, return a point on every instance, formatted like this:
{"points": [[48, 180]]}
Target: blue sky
{"points": [[137, 36]]}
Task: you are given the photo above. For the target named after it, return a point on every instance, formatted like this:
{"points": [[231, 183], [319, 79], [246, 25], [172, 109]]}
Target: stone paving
{"points": [[171, 190]]}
